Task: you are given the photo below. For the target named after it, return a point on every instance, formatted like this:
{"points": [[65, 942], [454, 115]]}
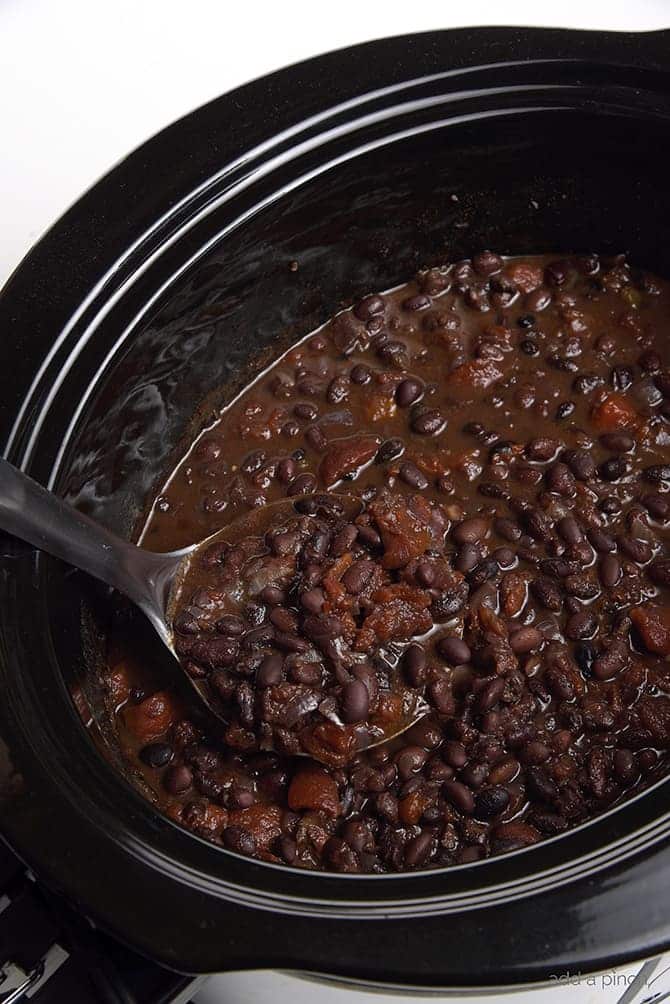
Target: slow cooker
{"points": [[163, 290]]}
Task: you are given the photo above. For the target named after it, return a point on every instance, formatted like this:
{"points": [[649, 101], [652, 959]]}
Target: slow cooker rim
{"points": [[118, 284]]}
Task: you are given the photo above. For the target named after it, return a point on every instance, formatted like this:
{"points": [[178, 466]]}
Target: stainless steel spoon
{"points": [[151, 580]]}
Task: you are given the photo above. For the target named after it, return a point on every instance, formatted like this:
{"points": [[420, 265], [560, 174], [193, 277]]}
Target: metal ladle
{"points": [[151, 580]]}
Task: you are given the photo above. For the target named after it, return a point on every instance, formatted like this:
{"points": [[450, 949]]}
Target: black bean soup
{"points": [[503, 429]]}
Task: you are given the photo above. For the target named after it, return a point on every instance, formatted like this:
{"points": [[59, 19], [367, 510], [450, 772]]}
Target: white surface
{"points": [[83, 82], [283, 988]]}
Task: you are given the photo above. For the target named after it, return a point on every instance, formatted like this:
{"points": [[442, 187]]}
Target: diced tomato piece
{"points": [[525, 276], [613, 413], [119, 683], [653, 624], [262, 821], [476, 375], [378, 406], [405, 534], [152, 718], [345, 456], [314, 788]]}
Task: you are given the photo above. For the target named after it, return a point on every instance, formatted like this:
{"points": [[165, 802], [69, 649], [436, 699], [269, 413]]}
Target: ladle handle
{"points": [[30, 512]]}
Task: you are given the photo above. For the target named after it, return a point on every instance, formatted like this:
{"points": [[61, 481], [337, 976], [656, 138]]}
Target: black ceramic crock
{"points": [[167, 281]]}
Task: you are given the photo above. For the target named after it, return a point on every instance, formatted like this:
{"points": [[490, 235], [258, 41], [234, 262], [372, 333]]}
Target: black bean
{"points": [[355, 702], [561, 479], [454, 650], [272, 596], [428, 423], [305, 411], [419, 849], [454, 753], [286, 470], [283, 619], [411, 475], [658, 506], [662, 381], [391, 351], [611, 661], [539, 525], [338, 390], [312, 600], [468, 557], [581, 625], [503, 448], [490, 694], [441, 697], [186, 622], [600, 540], [491, 802], [562, 363], [471, 531], [460, 796], [360, 374], [389, 450], [369, 536], [559, 568], [237, 838], [493, 491], [156, 754], [482, 572], [585, 655], [386, 806], [570, 530], [408, 391], [487, 263], [357, 576], [536, 752], [505, 557], [539, 785], [659, 571], [529, 347], [418, 302], [657, 473], [564, 410], [541, 449], [369, 306], [614, 469], [547, 593], [507, 529], [639, 551], [581, 464], [526, 639], [526, 320], [609, 505], [622, 378], [557, 273], [302, 485], [414, 664], [625, 766], [410, 760], [587, 383], [178, 779], [609, 570], [316, 438], [270, 671], [344, 540]]}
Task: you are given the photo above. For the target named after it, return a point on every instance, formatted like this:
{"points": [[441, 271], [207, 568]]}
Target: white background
{"points": [[82, 82]]}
